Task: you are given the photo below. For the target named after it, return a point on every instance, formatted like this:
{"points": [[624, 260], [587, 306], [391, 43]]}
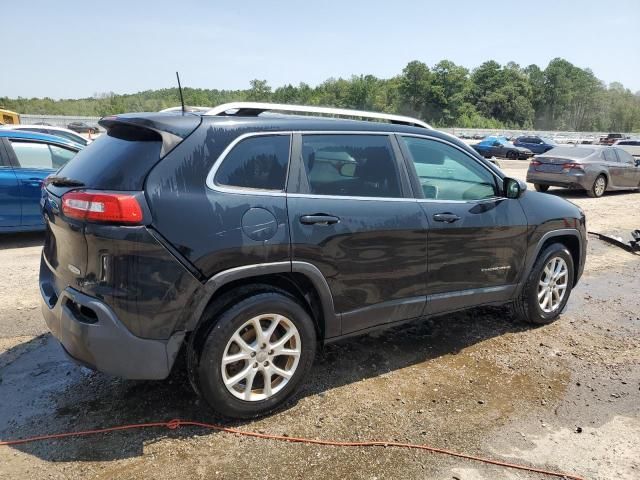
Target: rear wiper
{"points": [[63, 182]]}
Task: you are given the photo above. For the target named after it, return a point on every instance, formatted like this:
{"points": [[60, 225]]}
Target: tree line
{"points": [[561, 96]]}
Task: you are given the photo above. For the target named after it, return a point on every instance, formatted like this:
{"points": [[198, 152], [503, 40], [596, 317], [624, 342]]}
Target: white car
{"points": [[630, 145], [57, 131]]}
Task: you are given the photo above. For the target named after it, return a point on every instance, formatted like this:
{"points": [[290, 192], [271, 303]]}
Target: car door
{"points": [[614, 167], [9, 191], [630, 173], [498, 149], [477, 238], [352, 216], [33, 161]]}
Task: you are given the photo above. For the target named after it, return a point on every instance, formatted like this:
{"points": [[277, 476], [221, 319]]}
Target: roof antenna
{"points": [[180, 90]]}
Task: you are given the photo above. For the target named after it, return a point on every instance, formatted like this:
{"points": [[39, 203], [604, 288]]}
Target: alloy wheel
{"points": [[600, 186], [553, 284], [261, 357]]}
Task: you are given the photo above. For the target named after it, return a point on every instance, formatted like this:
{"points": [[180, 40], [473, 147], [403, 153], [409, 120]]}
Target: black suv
{"points": [[248, 239]]}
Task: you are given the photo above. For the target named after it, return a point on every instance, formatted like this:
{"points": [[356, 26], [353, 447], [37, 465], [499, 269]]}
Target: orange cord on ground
{"points": [[174, 424]]}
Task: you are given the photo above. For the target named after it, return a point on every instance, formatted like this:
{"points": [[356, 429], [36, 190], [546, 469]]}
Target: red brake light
{"points": [[535, 163], [102, 207], [570, 165]]}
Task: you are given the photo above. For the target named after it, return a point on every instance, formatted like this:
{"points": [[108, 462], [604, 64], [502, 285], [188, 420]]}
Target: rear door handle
{"points": [[319, 219], [446, 217]]}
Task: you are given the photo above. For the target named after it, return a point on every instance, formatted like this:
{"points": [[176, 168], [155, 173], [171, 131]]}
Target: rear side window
{"points": [[258, 162], [117, 160], [350, 165], [41, 155]]}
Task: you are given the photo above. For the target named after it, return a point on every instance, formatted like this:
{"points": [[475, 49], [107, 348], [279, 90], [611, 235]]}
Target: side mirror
{"points": [[514, 188]]}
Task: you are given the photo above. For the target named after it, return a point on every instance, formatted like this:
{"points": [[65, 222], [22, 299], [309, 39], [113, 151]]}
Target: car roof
{"points": [[39, 137], [20, 126]]}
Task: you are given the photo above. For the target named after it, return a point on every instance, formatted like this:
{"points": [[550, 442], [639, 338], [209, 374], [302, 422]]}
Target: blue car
{"points": [[26, 159], [535, 143], [498, 146]]}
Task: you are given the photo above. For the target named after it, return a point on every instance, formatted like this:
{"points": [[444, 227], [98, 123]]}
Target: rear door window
{"points": [[41, 155], [258, 163], [351, 165], [610, 155]]}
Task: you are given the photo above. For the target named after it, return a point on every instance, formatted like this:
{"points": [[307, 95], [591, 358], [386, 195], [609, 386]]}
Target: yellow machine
{"points": [[8, 117]]}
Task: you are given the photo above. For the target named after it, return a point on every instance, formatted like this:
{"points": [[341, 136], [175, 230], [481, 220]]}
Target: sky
{"points": [[74, 49]]}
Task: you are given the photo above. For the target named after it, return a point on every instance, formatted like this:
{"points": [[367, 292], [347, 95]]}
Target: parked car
{"points": [[300, 231], [501, 147], [535, 143], [631, 145], [56, 131], [611, 138], [82, 127], [26, 158], [592, 168]]}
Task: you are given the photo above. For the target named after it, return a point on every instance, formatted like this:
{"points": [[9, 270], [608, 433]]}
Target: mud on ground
{"points": [[564, 396]]}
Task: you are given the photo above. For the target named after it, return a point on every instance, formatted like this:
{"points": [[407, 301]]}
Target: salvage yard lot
{"points": [[564, 396]]}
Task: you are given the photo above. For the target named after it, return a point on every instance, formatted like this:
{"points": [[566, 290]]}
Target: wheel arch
{"points": [[300, 280], [570, 238]]}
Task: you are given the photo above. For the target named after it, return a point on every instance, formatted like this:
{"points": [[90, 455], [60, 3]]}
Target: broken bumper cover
{"points": [[92, 335]]}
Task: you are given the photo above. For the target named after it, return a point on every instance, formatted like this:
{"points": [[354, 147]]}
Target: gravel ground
{"points": [[564, 396]]}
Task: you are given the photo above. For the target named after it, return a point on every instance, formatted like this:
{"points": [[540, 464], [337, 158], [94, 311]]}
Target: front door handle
{"points": [[446, 217], [319, 219]]}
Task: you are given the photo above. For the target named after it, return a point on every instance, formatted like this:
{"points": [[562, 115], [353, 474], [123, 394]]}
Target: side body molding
{"points": [[332, 324]]}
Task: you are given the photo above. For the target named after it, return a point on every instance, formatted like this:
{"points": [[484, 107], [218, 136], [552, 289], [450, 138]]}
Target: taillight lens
{"points": [[535, 163], [102, 207], [572, 166]]}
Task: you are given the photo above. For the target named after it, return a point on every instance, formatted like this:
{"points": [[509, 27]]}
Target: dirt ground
{"points": [[564, 396]]}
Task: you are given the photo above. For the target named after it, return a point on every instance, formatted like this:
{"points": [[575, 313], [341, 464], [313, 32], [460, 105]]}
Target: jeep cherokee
{"points": [[246, 238]]}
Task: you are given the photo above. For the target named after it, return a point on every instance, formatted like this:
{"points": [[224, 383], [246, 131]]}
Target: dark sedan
{"points": [[501, 147], [592, 168], [82, 127], [535, 143]]}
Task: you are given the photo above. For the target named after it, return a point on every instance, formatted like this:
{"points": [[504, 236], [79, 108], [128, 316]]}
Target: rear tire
{"points": [[540, 188], [267, 373], [599, 187], [542, 285]]}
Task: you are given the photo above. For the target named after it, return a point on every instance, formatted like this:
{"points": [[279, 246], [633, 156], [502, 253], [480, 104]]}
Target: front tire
{"points": [[255, 355], [547, 290], [512, 155], [540, 188]]}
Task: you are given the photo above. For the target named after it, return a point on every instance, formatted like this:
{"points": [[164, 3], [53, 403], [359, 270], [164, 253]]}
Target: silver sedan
{"points": [[596, 169]]}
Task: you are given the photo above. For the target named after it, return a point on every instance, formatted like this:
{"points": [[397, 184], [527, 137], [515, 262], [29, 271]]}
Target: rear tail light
{"points": [[102, 207], [535, 163], [572, 166]]}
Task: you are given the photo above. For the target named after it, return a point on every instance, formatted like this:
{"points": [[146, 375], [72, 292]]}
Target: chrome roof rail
{"points": [[188, 109], [256, 108]]}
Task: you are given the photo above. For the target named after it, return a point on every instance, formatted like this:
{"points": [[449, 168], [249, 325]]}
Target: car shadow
{"points": [[577, 193], [51, 394], [20, 240]]}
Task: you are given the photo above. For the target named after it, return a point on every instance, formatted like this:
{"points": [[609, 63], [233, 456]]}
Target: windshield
{"points": [[548, 140], [572, 152]]}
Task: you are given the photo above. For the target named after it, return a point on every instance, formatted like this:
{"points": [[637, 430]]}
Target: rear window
{"points": [[117, 160], [573, 152]]}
